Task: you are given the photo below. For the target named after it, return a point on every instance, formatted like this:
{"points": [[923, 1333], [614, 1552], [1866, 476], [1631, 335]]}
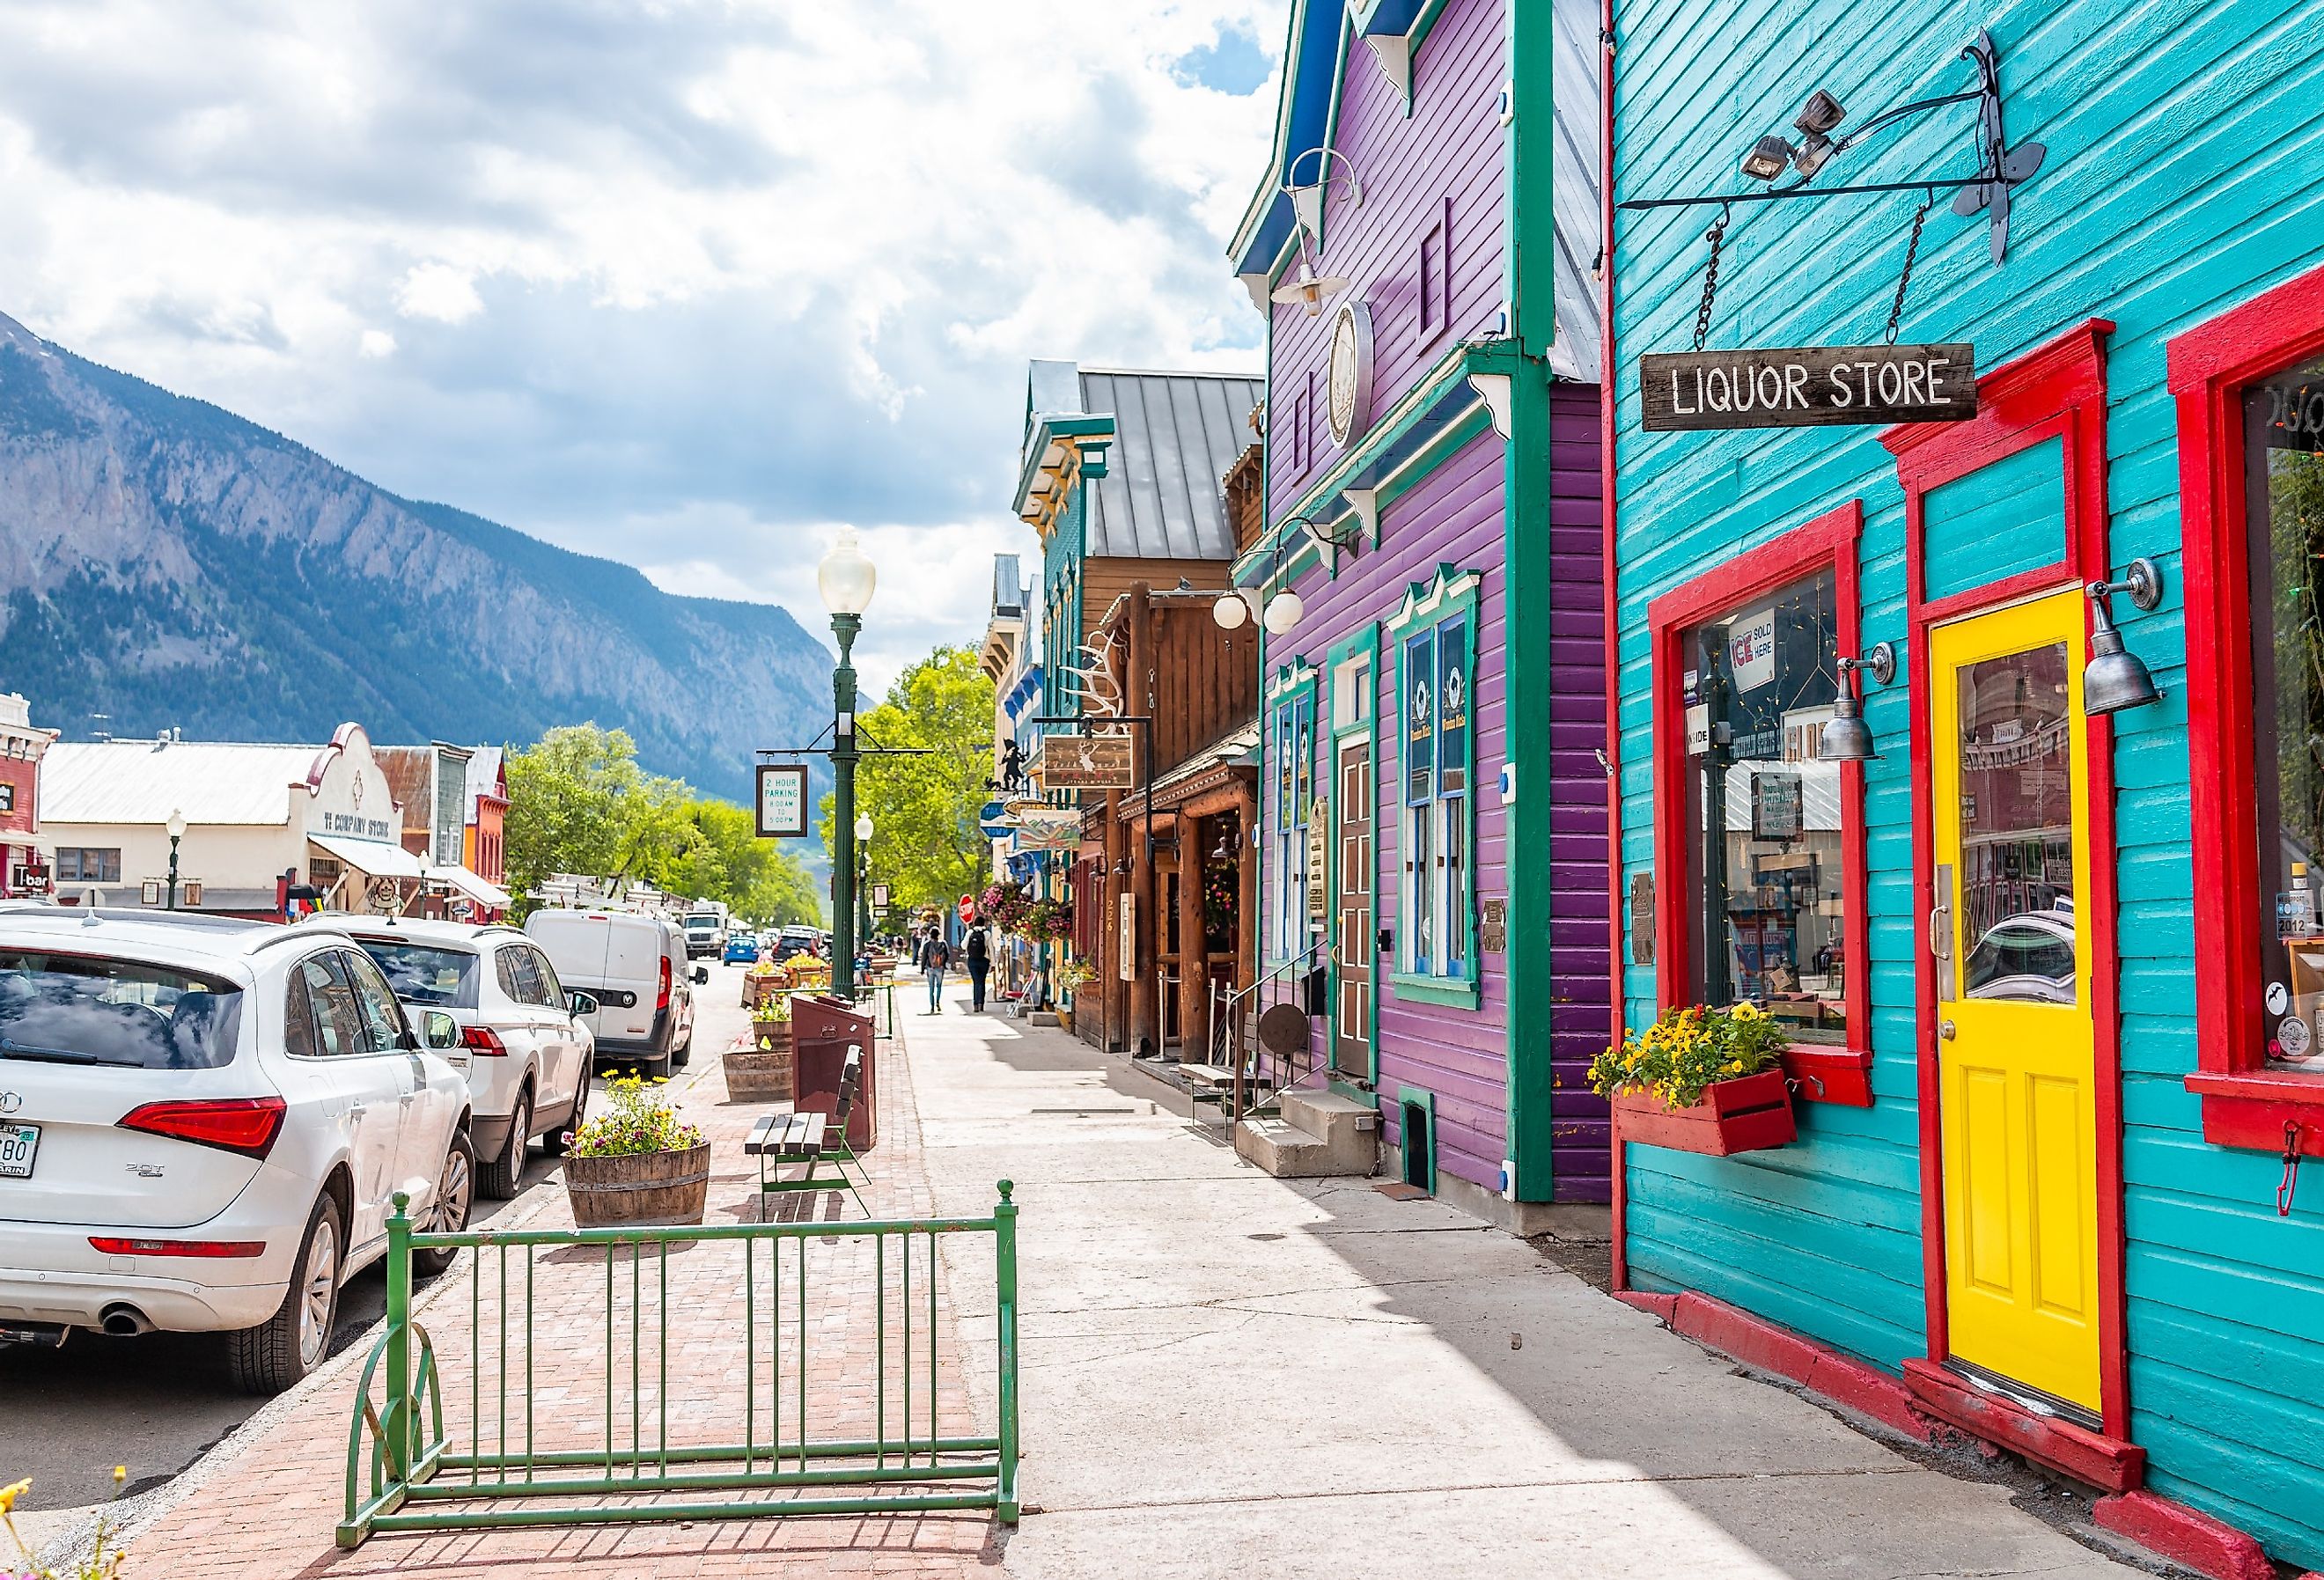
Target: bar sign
{"points": [[1807, 386]]}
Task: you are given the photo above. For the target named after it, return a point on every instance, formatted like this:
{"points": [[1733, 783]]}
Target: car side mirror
{"points": [[440, 1031], [579, 1002], [702, 976]]}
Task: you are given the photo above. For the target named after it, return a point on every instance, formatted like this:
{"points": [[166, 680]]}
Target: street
{"points": [[158, 1403]]}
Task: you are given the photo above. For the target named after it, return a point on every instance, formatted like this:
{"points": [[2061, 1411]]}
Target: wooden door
{"points": [[1351, 943], [2015, 1043]]}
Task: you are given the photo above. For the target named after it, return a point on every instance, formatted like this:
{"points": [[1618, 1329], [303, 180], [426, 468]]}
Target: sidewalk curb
{"points": [[128, 1519]]}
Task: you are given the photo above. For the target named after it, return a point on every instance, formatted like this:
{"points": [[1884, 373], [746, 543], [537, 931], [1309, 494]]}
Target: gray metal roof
{"points": [[1175, 434], [1575, 81]]}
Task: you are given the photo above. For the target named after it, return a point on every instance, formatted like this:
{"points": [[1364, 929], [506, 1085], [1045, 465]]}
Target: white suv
{"points": [[529, 1049], [202, 1122]]}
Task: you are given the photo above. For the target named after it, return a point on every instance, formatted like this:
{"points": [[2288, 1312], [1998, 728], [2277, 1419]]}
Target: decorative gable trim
{"points": [[1425, 601]]}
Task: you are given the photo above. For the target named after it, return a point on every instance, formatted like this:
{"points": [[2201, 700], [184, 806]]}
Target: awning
{"points": [[374, 858], [482, 891]]}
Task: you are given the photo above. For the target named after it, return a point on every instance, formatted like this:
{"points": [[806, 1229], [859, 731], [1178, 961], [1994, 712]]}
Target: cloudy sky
{"points": [[684, 282]]}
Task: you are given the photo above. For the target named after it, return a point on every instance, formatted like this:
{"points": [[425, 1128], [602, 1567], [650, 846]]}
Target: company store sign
{"points": [[1808, 386]]}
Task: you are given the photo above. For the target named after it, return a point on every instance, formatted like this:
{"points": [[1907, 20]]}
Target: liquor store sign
{"points": [[1807, 386]]}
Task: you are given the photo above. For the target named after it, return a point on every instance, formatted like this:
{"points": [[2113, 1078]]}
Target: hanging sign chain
{"points": [[2290, 1185], [1912, 251], [1715, 235]]}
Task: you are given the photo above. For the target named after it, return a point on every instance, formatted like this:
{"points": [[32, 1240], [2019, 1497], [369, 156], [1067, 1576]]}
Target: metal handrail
{"points": [[1223, 1024]]}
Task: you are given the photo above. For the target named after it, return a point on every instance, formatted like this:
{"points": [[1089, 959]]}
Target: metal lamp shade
{"points": [[1846, 738], [2114, 679]]}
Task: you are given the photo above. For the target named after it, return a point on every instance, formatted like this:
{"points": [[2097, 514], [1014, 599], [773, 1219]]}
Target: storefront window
{"points": [[1767, 918], [1295, 795], [2284, 453]]}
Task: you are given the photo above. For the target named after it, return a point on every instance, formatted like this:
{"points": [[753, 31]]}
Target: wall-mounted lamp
{"points": [[1307, 196], [1279, 614], [2114, 679], [1846, 738], [1327, 540], [1309, 290]]}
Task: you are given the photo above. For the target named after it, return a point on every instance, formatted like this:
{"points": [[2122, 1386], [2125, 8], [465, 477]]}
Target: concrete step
{"points": [[1316, 1135]]}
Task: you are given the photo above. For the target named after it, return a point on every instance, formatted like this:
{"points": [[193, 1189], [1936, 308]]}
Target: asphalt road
{"points": [[159, 1402]]}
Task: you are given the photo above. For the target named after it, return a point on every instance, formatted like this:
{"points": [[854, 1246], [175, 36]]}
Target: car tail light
{"points": [[247, 1125], [483, 1040], [114, 1246], [661, 995]]}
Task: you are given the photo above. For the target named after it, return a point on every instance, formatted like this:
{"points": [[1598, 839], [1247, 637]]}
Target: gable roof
{"points": [[1162, 496]]}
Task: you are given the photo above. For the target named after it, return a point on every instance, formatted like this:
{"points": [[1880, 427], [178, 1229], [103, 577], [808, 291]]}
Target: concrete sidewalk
{"points": [[1228, 1374]]}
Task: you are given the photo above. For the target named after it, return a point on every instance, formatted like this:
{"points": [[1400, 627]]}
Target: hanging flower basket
{"points": [[1700, 1080]]}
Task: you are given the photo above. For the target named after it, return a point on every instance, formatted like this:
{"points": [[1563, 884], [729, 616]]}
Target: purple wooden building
{"points": [[1433, 833]]}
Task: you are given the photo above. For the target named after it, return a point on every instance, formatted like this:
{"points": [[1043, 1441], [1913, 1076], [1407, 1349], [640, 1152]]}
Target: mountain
{"points": [[163, 562]]}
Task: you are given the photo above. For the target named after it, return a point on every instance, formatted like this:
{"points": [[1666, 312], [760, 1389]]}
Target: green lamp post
{"points": [[846, 578]]}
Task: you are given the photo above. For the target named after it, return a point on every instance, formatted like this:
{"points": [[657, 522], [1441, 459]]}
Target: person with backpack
{"points": [[934, 958], [979, 964]]}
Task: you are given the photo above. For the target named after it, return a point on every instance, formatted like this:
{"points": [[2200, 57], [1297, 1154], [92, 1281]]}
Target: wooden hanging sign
{"points": [[1807, 386]]}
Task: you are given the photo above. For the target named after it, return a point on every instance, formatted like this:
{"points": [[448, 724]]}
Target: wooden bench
{"points": [[812, 1139]]}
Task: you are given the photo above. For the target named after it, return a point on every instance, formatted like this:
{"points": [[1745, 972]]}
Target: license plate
{"points": [[18, 1143]]}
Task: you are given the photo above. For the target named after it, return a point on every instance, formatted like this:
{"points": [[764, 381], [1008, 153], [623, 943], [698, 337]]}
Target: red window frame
{"points": [[1823, 1073], [2244, 1104]]}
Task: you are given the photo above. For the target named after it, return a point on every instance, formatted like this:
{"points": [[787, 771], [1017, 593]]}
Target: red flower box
{"points": [[1745, 1115]]}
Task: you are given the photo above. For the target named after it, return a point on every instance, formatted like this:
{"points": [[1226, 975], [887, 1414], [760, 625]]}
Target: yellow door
{"points": [[2015, 1044]]}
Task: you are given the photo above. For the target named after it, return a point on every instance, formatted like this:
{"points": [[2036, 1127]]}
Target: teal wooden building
{"points": [[2052, 958]]}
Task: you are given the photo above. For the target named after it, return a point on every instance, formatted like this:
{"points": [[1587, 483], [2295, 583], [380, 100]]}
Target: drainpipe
{"points": [[1606, 501]]}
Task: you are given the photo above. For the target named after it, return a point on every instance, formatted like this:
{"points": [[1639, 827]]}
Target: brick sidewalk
{"points": [[265, 1508]]}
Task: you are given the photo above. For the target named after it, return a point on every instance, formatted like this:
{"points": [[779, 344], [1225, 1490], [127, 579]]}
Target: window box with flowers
{"points": [[1700, 1080]]}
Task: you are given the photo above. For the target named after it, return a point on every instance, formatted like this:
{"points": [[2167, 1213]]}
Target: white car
{"points": [[202, 1124], [526, 1040]]}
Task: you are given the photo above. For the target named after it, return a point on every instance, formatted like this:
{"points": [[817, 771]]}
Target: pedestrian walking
{"points": [[935, 959], [979, 964]]}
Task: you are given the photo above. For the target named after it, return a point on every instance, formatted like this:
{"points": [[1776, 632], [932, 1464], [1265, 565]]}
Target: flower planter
{"points": [[1747, 1114], [760, 1070], [644, 1188]]}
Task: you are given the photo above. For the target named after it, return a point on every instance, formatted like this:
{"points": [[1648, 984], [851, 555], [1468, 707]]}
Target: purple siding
{"points": [[1583, 1022]]}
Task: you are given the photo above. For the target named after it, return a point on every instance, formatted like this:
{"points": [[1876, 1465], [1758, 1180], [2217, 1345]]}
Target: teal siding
{"points": [[2185, 175], [1997, 521]]}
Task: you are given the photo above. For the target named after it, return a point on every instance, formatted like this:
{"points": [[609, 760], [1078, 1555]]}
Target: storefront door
{"points": [[2015, 1044], [1352, 1010]]}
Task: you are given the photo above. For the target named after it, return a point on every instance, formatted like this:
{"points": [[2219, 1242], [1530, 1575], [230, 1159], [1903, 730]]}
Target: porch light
{"points": [[2115, 679], [1284, 612], [1821, 114], [1846, 738], [1309, 290], [1769, 157], [1233, 609]]}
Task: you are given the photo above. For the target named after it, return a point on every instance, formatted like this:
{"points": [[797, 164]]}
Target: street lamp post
{"points": [[846, 578], [177, 826], [863, 871]]}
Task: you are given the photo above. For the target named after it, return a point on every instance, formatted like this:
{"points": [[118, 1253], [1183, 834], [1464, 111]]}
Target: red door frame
{"points": [[2244, 1103], [2056, 391], [1825, 1073]]}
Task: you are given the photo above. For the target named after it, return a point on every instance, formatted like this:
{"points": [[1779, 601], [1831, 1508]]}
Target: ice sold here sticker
{"points": [[1751, 649]]}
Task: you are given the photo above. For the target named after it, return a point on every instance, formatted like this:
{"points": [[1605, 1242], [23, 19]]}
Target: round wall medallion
{"points": [[1350, 409]]}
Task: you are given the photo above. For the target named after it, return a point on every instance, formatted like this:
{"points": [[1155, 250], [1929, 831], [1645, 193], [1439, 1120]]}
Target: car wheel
{"points": [[684, 1052], [282, 1350], [501, 1176], [455, 1193], [554, 1142]]}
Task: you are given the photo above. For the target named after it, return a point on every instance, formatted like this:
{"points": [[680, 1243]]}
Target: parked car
{"points": [[741, 949], [202, 1124], [525, 1036], [635, 968], [796, 940]]}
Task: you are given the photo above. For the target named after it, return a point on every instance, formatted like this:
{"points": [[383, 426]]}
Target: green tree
{"points": [[579, 802], [925, 844]]}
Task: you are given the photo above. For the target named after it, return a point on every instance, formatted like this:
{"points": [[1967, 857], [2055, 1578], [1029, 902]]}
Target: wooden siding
{"points": [[2185, 175], [1448, 157], [1205, 681]]}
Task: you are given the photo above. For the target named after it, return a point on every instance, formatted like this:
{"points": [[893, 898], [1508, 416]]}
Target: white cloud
{"points": [[681, 284], [440, 291]]}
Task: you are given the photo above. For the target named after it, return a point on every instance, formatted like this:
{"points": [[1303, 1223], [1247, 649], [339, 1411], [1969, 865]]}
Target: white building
{"points": [[254, 816]]}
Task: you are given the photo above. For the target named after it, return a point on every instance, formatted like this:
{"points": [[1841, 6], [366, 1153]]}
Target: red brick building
{"points": [[22, 747]]}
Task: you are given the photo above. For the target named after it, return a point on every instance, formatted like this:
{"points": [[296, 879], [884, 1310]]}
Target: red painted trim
{"points": [[2211, 365], [2055, 391], [1610, 575], [1664, 1307], [2183, 1536], [2100, 1459], [1831, 539], [1756, 1341]]}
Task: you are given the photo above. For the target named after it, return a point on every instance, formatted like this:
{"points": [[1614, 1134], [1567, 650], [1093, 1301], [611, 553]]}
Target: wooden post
{"points": [[1193, 960], [1112, 993], [1136, 698]]}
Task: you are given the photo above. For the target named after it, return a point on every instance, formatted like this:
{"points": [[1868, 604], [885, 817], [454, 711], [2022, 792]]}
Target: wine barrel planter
{"points": [[1745, 1115], [761, 1069], [645, 1187]]}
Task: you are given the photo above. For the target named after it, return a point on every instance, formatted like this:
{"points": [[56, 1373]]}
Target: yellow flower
{"points": [[9, 1494]]}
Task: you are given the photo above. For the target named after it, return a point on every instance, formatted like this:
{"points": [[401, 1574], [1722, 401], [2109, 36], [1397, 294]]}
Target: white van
{"points": [[635, 968]]}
